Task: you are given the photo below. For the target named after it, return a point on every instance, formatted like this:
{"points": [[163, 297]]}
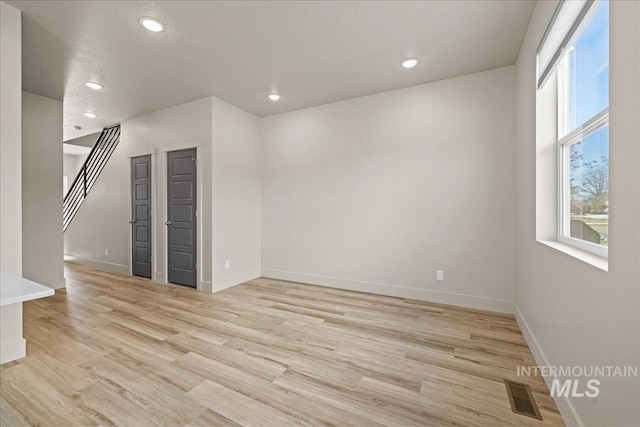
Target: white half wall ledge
{"points": [[14, 291], [102, 265], [450, 298], [566, 408]]}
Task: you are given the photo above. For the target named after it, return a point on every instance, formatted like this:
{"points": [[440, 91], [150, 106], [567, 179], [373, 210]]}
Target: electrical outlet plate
{"points": [[440, 275]]}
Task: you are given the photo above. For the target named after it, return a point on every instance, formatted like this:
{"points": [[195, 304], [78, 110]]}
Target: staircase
{"points": [[98, 158]]}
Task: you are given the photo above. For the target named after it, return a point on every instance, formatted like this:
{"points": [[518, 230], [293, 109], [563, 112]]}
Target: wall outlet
{"points": [[440, 275], [106, 252], [227, 264]]}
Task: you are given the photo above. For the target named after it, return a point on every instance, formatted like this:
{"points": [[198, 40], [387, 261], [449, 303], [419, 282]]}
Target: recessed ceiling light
{"points": [[152, 24], [274, 97], [410, 62], [90, 115], [93, 85]]}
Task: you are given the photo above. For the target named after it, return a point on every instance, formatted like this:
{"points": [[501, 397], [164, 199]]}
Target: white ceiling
{"points": [[312, 53]]}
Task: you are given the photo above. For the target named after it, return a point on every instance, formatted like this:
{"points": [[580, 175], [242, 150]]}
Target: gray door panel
{"points": [[141, 216], [181, 214]]}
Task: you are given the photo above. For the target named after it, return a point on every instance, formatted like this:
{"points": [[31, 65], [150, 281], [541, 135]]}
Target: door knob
{"points": [[168, 223], [133, 221]]}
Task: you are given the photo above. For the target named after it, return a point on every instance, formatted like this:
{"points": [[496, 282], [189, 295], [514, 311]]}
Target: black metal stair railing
{"points": [[88, 174]]}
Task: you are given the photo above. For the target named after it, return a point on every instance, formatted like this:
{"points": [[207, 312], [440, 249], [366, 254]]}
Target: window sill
{"points": [[588, 257]]}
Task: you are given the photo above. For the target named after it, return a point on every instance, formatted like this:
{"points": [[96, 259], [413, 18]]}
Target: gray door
{"points": [[181, 214], [141, 216]]}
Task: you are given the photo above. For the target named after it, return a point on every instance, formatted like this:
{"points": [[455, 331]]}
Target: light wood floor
{"points": [[116, 350]]}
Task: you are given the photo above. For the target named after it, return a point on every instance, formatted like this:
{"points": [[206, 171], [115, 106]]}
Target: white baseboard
{"points": [[566, 408], [13, 350], [234, 279], [102, 265], [470, 301], [56, 284], [206, 286]]}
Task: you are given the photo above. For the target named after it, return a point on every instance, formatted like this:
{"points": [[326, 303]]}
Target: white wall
{"points": [[72, 159], [236, 148], [379, 192], [69, 167], [42, 257], [10, 140], [11, 341], [71, 164], [103, 220], [571, 312], [229, 163]]}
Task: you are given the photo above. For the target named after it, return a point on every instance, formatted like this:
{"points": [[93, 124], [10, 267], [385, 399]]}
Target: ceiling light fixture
{"points": [[152, 24], [274, 97], [410, 62], [93, 85], [90, 115]]}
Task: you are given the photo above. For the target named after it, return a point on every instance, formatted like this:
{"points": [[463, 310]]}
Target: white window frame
{"points": [[565, 141]]}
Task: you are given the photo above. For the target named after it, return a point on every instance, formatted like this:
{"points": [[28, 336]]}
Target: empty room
{"points": [[320, 213]]}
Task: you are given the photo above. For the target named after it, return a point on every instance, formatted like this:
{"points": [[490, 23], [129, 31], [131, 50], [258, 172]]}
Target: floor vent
{"points": [[521, 400]]}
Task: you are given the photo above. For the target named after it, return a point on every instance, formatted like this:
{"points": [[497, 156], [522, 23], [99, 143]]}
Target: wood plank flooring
{"points": [[114, 350]]}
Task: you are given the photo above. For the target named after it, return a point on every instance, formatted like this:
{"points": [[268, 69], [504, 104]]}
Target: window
{"points": [[583, 135], [573, 139]]}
